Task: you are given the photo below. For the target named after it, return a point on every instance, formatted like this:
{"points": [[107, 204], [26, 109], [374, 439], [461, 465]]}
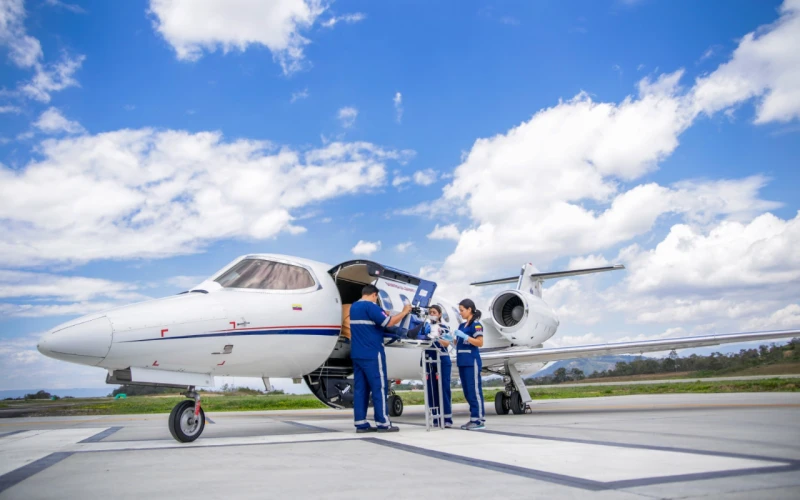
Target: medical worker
{"points": [[469, 339], [435, 330], [368, 324]]}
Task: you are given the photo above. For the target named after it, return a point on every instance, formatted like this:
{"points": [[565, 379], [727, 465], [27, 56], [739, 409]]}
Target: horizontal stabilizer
{"points": [[548, 276]]}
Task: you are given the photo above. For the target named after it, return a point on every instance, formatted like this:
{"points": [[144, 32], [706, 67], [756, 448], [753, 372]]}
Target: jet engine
{"points": [[523, 318]]}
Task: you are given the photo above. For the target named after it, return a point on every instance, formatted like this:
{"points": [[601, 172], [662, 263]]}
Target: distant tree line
{"points": [[713, 363], [37, 395]]}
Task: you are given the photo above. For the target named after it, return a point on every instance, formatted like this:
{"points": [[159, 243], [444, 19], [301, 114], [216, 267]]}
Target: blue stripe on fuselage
{"points": [[233, 333]]}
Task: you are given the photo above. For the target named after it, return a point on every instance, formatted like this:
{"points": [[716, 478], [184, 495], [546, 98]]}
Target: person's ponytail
{"points": [[469, 304]]}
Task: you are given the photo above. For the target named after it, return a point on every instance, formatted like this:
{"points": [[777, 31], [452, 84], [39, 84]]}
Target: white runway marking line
{"points": [[593, 462], [212, 442], [21, 449]]}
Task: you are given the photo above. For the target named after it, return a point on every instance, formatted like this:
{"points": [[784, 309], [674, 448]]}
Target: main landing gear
{"points": [[514, 397], [394, 403], [187, 420]]}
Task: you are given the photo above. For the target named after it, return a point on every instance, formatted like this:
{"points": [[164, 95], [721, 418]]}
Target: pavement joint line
{"points": [[16, 476], [189, 446], [588, 484], [575, 482], [788, 461], [101, 435], [649, 481], [309, 426], [12, 433]]}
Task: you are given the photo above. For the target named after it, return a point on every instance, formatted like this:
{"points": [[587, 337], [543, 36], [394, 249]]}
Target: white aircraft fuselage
{"points": [[271, 333]]}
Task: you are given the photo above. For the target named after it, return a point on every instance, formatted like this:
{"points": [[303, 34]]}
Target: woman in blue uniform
{"points": [[437, 331], [469, 339]]}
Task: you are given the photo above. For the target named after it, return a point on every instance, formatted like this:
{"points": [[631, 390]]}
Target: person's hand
{"points": [[406, 309], [462, 335]]}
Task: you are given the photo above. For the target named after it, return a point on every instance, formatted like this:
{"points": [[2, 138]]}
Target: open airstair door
{"points": [[397, 286], [332, 382]]}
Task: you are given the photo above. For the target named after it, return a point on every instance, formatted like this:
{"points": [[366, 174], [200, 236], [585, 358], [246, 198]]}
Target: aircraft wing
{"points": [[527, 355]]}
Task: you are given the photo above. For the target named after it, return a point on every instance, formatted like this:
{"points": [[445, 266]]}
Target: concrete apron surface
{"points": [[734, 446]]}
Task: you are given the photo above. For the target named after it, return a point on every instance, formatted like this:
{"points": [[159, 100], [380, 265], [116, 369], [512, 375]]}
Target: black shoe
{"points": [[388, 429], [366, 429]]}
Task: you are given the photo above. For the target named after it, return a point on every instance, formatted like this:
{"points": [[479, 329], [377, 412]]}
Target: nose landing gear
{"points": [[187, 420]]}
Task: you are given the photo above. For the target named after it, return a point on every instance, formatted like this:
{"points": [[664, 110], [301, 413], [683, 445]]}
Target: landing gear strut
{"points": [[187, 420], [514, 397]]}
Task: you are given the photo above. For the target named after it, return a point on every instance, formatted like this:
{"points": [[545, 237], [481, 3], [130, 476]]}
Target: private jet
{"points": [[268, 316]]}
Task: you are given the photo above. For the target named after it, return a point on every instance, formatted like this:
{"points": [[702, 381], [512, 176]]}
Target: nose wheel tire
{"points": [[516, 404], [395, 406], [183, 424], [501, 403]]}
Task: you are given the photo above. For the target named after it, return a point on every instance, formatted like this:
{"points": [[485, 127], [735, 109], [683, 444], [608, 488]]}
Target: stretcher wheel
{"points": [[501, 403], [517, 406], [395, 404]]}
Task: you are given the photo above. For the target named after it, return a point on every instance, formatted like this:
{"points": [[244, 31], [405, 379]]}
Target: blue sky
{"points": [[518, 127]]}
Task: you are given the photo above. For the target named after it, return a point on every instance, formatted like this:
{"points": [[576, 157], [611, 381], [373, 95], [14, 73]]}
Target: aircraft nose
{"points": [[85, 342]]}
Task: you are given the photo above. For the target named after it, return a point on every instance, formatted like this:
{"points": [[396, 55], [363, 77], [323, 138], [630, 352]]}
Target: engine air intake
{"points": [[508, 309]]}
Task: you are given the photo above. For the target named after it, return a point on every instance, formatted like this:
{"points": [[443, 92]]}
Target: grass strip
{"points": [[161, 404]]}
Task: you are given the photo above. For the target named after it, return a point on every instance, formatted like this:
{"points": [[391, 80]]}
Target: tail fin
{"points": [[538, 278]]}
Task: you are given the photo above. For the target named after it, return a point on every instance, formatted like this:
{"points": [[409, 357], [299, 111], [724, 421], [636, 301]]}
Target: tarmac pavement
{"points": [[649, 446]]}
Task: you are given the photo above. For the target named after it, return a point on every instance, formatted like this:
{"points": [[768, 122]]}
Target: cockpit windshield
{"points": [[266, 275]]}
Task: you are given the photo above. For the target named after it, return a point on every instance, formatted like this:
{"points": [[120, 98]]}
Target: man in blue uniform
{"points": [[368, 324]]}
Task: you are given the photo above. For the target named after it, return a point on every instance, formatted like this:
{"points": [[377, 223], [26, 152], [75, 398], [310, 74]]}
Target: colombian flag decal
{"points": [[478, 327], [297, 307]]}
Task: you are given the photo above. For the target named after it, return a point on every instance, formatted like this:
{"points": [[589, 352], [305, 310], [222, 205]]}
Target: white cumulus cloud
{"points": [[366, 248], [26, 52], [149, 194], [398, 106], [347, 116], [765, 65], [347, 19], [302, 94], [448, 232], [566, 184], [52, 121], [194, 26], [425, 177], [404, 247]]}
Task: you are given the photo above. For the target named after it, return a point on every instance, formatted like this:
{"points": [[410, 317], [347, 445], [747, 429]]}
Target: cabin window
{"points": [[445, 316], [386, 302], [266, 275]]}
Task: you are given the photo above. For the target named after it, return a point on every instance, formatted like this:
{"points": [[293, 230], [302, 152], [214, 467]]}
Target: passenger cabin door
{"points": [[397, 287]]}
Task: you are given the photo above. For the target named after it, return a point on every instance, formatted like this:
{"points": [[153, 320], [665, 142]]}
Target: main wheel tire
{"points": [[501, 403], [516, 404], [183, 425], [395, 406]]}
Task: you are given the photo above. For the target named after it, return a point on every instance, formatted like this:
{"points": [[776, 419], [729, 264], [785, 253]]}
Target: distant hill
{"points": [[95, 392], [587, 365]]}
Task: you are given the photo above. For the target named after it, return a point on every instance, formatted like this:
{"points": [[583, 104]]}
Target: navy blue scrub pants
{"points": [[473, 390], [432, 387], [369, 375]]}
